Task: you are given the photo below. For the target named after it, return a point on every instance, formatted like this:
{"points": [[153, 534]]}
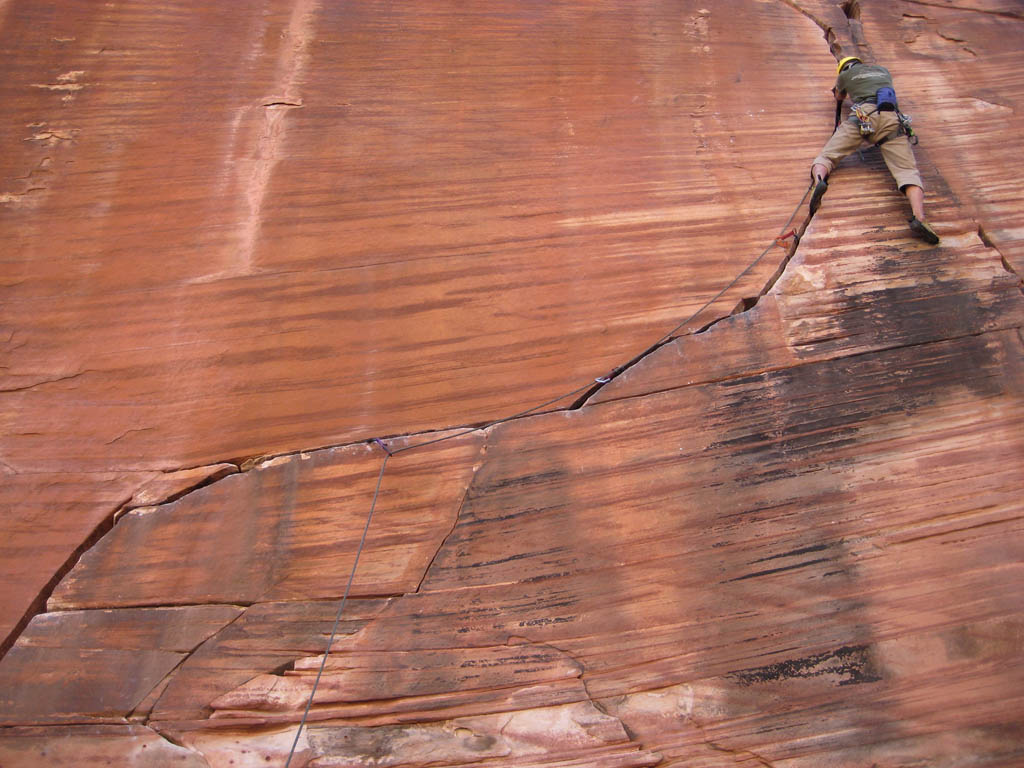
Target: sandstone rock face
{"points": [[275, 279]]}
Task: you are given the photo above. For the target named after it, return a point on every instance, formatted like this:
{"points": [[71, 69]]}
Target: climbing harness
{"points": [[885, 102], [389, 452]]}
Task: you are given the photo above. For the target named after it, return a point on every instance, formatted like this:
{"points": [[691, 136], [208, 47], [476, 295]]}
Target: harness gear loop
{"points": [[903, 129], [861, 113]]}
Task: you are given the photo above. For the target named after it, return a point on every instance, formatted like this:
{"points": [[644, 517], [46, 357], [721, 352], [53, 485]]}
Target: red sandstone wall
{"points": [[241, 241]]}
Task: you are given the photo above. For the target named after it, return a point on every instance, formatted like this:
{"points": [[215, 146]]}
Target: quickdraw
{"points": [[781, 240], [905, 127]]}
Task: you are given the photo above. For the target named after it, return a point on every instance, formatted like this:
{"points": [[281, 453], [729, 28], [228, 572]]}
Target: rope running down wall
{"points": [[785, 233]]}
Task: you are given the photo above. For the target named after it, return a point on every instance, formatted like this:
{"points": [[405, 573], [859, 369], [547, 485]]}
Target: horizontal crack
{"points": [[739, 753], [368, 595], [985, 11], [129, 432], [44, 382]]}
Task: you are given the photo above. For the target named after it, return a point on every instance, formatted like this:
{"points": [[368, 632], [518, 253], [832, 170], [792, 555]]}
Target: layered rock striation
{"points": [[474, 295]]}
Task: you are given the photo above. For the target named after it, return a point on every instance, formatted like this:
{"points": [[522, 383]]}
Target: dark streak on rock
{"points": [[510, 516], [544, 621], [794, 552], [777, 570], [511, 558], [852, 663], [525, 480]]}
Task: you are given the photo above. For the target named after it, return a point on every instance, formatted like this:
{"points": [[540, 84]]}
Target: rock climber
{"points": [[875, 118]]}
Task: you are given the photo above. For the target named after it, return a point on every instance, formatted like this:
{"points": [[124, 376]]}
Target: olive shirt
{"points": [[862, 81]]}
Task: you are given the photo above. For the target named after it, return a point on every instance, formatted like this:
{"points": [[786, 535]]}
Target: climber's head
{"points": [[848, 62]]}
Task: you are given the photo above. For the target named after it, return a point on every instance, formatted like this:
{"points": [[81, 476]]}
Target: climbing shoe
{"points": [[923, 230], [819, 191]]}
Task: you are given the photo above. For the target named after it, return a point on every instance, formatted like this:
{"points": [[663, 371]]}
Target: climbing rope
{"points": [[777, 241], [780, 241], [341, 608]]}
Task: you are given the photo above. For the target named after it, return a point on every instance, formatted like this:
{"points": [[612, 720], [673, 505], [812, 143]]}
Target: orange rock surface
{"points": [[242, 243]]}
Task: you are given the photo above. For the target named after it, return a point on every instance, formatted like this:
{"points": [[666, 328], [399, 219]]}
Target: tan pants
{"points": [[896, 152]]}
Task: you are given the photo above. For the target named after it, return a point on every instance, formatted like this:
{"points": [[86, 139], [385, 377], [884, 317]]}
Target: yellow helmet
{"points": [[845, 61]]}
